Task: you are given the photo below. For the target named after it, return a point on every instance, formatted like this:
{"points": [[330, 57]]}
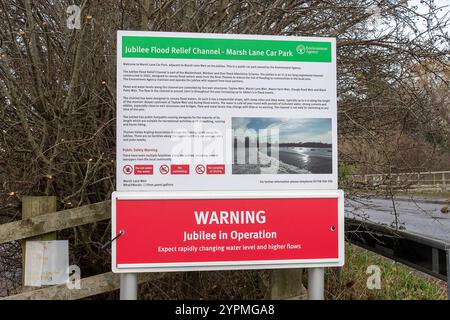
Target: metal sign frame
{"points": [[230, 265]]}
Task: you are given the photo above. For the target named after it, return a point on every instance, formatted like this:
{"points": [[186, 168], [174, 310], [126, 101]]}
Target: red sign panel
{"points": [[215, 169], [162, 232], [144, 169], [179, 169]]}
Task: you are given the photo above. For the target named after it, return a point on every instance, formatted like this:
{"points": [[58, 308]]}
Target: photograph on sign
{"points": [[220, 111], [161, 231], [282, 146]]}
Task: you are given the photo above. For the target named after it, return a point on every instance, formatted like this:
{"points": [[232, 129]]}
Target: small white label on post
{"points": [[46, 262]]}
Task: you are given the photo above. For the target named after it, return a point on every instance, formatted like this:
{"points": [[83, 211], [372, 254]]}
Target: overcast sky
{"points": [[443, 12]]}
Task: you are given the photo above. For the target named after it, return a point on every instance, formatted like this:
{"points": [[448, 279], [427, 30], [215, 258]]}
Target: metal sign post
{"points": [[316, 283], [128, 286]]}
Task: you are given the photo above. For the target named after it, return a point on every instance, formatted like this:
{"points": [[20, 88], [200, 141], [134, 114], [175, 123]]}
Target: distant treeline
{"points": [[290, 144]]}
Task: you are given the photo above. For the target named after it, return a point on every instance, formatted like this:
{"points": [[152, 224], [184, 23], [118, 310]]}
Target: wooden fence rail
{"points": [[94, 285], [433, 180], [54, 221], [90, 286], [61, 220]]}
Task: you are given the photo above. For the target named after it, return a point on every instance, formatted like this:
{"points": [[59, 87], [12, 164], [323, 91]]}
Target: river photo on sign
{"points": [[282, 146]]}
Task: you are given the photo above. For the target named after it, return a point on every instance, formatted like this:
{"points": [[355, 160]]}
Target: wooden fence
{"points": [[59, 220], [32, 226], [420, 181]]}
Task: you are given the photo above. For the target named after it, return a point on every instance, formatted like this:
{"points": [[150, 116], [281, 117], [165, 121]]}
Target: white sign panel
{"points": [[46, 262], [225, 112]]}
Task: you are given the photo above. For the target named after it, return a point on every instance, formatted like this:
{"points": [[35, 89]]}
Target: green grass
{"points": [[398, 282]]}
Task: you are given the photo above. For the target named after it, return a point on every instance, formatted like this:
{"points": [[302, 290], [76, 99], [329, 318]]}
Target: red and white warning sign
{"points": [[127, 169], [200, 169], [143, 169], [179, 169], [227, 230], [164, 169], [215, 169]]}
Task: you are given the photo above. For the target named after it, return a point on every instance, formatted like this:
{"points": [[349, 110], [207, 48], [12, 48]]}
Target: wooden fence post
{"points": [[31, 207], [286, 284]]}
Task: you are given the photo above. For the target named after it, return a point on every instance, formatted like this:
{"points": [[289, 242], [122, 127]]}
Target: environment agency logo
{"points": [[301, 49]]}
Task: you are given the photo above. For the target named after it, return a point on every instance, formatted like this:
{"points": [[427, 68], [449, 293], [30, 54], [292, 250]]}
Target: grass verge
{"points": [[397, 281]]}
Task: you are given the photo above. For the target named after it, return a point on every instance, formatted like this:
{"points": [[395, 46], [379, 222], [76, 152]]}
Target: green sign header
{"points": [[225, 49]]}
